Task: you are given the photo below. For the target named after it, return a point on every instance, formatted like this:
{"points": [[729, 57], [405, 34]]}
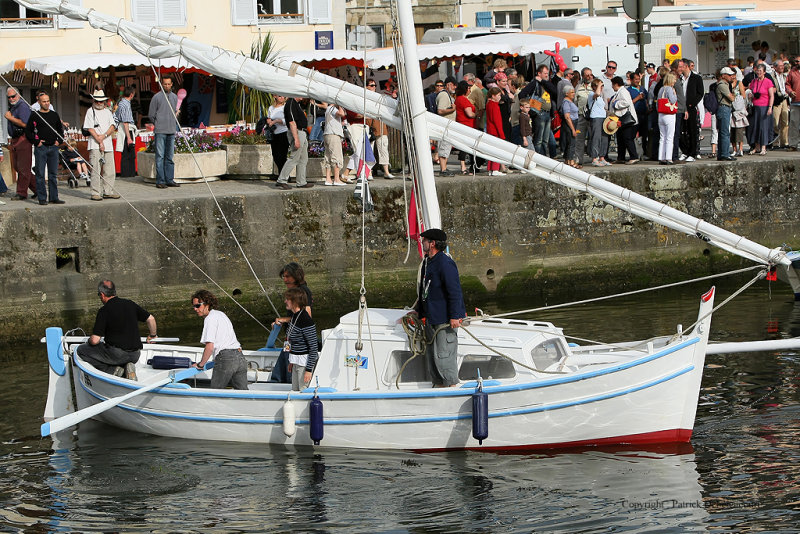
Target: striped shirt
{"points": [[302, 338], [124, 113]]}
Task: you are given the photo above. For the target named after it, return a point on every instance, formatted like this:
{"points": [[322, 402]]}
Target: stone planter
{"points": [[214, 165], [251, 160]]}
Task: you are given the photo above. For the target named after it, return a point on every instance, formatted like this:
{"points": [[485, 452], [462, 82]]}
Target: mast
{"points": [[431, 216]]}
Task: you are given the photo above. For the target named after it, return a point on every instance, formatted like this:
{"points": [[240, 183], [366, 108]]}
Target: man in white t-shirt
{"points": [[230, 367], [100, 122]]}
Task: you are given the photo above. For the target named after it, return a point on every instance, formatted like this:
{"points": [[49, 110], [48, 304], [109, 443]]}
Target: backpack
{"points": [[430, 102], [710, 101]]}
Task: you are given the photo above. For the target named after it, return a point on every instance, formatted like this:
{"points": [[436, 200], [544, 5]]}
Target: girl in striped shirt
{"points": [[301, 339]]}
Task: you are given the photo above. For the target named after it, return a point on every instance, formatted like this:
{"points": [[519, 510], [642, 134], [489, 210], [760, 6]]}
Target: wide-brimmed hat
{"points": [[611, 125], [99, 96]]}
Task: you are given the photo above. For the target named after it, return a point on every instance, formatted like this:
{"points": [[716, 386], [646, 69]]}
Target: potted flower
{"points": [[194, 151]]}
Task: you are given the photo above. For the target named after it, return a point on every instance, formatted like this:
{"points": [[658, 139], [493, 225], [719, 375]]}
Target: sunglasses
{"points": [[370, 85], [611, 67], [196, 306], [439, 85]]}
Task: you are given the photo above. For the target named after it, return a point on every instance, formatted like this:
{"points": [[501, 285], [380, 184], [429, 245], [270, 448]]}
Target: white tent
{"points": [[49, 65]]}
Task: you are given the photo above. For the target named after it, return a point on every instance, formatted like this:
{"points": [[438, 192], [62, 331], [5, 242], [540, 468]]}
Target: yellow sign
{"points": [[672, 51]]}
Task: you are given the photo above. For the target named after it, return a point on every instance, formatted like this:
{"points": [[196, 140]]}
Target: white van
{"points": [[446, 35]]}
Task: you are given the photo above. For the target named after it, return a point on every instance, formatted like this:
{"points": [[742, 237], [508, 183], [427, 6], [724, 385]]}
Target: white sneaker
{"points": [[682, 157], [388, 175], [497, 173], [688, 160], [698, 157]]}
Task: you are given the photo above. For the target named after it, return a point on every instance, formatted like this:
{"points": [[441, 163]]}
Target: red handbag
{"points": [[666, 108]]}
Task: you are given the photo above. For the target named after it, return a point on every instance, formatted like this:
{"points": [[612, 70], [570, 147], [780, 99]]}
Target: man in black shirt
{"points": [[116, 322], [45, 132], [297, 122]]}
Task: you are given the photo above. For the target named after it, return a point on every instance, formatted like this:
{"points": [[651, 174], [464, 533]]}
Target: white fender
{"points": [[289, 417]]}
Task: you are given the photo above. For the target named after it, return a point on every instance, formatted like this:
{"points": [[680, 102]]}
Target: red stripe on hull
{"points": [[662, 437]]}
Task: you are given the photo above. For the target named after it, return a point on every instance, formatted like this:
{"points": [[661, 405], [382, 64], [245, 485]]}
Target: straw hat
{"points": [[99, 96], [611, 124]]}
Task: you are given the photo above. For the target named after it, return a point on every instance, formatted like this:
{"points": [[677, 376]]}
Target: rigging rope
{"points": [[216, 201], [627, 293]]}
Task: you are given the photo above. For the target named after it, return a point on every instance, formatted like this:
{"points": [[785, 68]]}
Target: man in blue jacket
{"points": [[441, 304]]}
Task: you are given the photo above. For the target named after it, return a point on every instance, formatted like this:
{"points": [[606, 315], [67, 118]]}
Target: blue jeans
{"points": [[541, 132], [724, 129], [46, 160], [3, 186], [165, 167], [316, 130]]}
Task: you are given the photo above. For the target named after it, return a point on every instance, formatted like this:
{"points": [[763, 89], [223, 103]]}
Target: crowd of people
{"points": [[579, 117], [571, 115]]}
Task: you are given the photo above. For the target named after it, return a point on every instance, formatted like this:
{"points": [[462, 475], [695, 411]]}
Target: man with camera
{"points": [[98, 126]]}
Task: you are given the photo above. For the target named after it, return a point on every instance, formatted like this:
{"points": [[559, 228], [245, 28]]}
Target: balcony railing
{"points": [[28, 22], [280, 18]]}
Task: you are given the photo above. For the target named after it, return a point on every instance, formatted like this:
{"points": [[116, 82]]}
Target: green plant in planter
{"points": [[249, 104]]}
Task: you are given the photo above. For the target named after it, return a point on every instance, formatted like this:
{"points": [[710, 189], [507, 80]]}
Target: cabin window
{"points": [[490, 366], [415, 371], [547, 353]]}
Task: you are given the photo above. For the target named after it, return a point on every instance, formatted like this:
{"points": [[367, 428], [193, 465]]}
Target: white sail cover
{"points": [[289, 79]]}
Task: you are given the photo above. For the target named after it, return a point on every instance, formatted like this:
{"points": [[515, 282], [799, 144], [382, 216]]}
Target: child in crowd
{"points": [[333, 144], [525, 128], [76, 162]]}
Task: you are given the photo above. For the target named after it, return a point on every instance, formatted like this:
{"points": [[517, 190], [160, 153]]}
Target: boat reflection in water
{"points": [[111, 479]]}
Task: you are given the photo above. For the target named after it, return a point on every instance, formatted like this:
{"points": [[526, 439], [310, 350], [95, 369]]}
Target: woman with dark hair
{"points": [[465, 114], [301, 339], [294, 277], [761, 92], [230, 367]]}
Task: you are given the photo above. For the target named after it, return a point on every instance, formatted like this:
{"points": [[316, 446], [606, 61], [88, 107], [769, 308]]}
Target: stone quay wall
{"points": [[514, 236]]}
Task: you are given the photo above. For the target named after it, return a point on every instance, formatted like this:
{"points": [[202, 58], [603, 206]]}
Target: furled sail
{"points": [[287, 78]]}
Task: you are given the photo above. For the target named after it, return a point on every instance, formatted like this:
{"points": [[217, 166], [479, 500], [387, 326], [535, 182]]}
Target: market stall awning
{"points": [[49, 65], [523, 43], [728, 23]]}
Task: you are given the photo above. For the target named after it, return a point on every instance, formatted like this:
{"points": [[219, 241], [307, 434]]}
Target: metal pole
{"points": [[431, 216]]}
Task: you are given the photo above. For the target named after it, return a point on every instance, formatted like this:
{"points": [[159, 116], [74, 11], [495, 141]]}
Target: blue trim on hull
{"points": [[417, 394], [505, 413]]}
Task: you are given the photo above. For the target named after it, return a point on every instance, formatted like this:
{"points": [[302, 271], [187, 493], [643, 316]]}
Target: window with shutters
{"points": [[483, 19], [13, 15], [252, 12], [508, 19], [279, 11], [163, 13]]}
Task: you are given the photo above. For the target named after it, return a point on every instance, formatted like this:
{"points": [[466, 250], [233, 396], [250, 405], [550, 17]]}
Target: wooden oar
{"points": [[66, 421]]}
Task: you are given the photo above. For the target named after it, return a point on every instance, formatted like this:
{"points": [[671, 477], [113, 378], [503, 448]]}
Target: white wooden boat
{"points": [[551, 395], [641, 393]]}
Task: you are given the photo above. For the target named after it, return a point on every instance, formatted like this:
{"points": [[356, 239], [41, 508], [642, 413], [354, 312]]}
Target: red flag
{"points": [[415, 227]]}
